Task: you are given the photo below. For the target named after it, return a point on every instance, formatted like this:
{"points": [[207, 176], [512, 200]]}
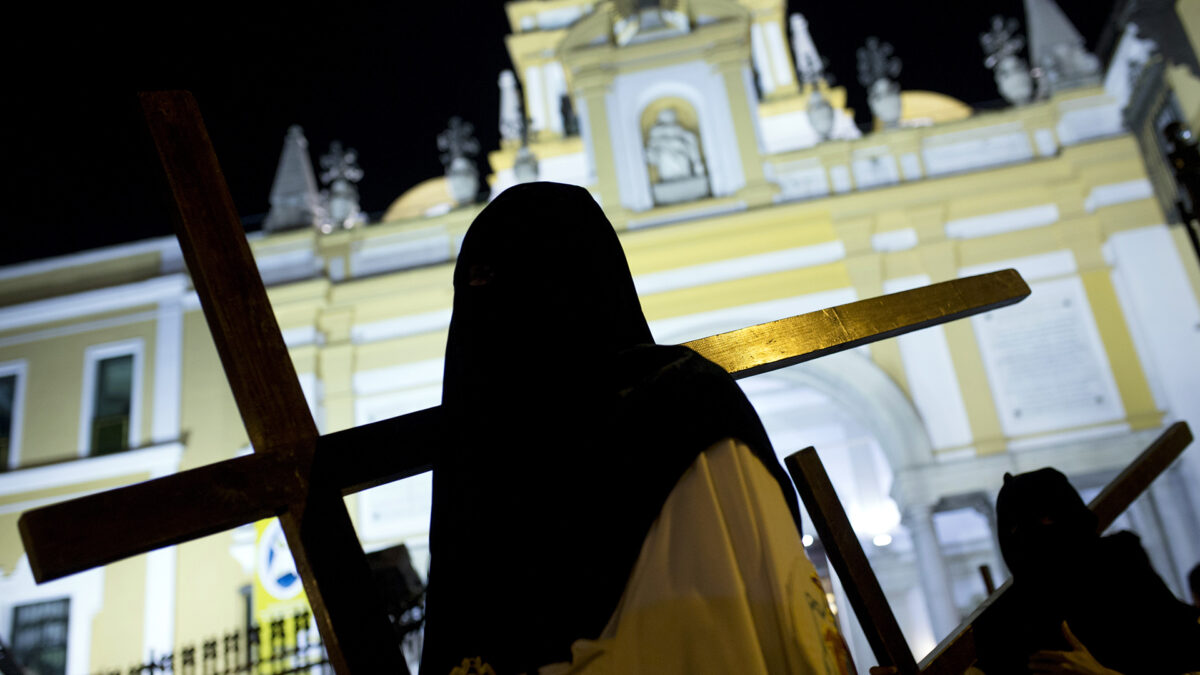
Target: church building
{"points": [[743, 192]]}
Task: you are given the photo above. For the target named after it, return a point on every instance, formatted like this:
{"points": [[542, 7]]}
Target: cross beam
{"points": [[956, 652], [301, 476]]}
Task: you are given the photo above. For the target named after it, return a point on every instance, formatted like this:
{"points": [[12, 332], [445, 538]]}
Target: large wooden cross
{"points": [[301, 476]]}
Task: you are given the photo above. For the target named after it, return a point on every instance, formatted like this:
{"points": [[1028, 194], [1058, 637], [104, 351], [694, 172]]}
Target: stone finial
{"points": [[295, 201], [876, 61], [877, 70], [1001, 46], [1056, 49], [339, 173], [458, 144]]}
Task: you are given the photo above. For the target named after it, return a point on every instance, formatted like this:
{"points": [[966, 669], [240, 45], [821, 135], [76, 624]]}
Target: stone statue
{"points": [[675, 153], [1001, 45]]}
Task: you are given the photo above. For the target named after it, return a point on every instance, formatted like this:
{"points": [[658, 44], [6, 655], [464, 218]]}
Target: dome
{"points": [[427, 198]]}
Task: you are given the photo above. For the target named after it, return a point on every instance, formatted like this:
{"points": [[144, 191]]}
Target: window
{"points": [[12, 394], [111, 398], [39, 636], [8, 396], [111, 405]]}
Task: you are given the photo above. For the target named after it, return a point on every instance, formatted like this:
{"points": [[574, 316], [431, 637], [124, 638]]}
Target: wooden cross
{"points": [[954, 654], [300, 476]]}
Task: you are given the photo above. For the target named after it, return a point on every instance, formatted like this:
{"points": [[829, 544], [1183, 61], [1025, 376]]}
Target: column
{"points": [[931, 568], [592, 87], [1146, 522], [1182, 532], [732, 65]]}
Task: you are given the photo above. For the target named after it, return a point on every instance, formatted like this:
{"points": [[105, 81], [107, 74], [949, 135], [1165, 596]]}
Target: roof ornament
{"points": [[339, 173], [295, 201], [811, 68], [1001, 46], [1056, 49], [877, 70], [512, 123], [514, 129], [458, 145]]}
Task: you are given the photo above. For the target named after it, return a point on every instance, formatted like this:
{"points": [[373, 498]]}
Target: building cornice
{"points": [[89, 303]]}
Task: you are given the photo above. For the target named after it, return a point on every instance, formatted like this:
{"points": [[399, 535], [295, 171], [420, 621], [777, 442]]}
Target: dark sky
{"points": [[382, 78]]}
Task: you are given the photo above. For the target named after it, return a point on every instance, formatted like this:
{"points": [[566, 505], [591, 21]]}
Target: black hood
{"points": [[540, 278], [1043, 522]]}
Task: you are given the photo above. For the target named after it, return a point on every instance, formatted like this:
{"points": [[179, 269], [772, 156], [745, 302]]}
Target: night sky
{"points": [[382, 78]]}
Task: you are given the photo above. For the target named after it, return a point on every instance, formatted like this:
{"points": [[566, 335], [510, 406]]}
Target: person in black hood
{"points": [[1079, 602], [568, 429]]}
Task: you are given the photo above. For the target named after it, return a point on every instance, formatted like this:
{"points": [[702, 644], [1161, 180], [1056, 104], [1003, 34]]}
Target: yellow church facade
{"points": [[734, 207]]}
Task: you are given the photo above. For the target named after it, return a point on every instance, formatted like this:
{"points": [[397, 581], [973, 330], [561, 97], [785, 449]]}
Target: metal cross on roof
{"points": [[301, 476]]}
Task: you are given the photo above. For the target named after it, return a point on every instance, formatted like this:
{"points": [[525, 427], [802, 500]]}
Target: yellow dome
{"points": [[428, 195], [928, 107]]}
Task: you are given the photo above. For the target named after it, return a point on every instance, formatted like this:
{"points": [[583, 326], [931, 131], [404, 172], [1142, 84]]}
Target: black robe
{"points": [[569, 429], [1103, 587]]}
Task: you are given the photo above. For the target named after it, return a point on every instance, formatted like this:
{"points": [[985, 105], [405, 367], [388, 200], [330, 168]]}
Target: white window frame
{"points": [[92, 357], [85, 591], [20, 368]]}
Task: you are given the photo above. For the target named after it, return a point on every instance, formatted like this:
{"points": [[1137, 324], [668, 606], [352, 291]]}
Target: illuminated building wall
{"points": [[785, 216]]}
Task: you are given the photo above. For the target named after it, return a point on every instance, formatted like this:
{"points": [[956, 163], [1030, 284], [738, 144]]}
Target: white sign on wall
{"points": [[1046, 365]]}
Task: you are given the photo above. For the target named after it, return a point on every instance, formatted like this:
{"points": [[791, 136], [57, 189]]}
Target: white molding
{"points": [[695, 214], [77, 328], [702, 324], [168, 372], [167, 246], [1118, 193], [379, 380], [158, 460], [19, 368], [1005, 221], [894, 240], [302, 336], [1031, 267], [401, 326], [739, 268], [85, 593], [87, 303], [1074, 435], [91, 358], [646, 284]]}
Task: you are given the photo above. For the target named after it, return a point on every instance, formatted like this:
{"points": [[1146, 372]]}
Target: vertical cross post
{"points": [[329, 558]]}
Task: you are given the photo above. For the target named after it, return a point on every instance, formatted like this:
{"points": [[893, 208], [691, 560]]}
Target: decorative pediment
{"points": [[622, 22]]}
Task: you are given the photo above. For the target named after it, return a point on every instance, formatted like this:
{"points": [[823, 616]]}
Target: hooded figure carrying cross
{"points": [[606, 504]]}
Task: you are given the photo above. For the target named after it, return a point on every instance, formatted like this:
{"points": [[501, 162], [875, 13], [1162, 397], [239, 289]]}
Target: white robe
{"points": [[722, 585]]}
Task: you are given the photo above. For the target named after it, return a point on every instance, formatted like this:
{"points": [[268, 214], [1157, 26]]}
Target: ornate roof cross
{"points": [[301, 476]]}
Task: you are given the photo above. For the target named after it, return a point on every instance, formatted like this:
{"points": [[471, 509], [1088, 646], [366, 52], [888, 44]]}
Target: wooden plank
{"points": [[957, 651], [1137, 477], [779, 344], [80, 534], [374, 454], [225, 276], [847, 558], [381, 452], [355, 628]]}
